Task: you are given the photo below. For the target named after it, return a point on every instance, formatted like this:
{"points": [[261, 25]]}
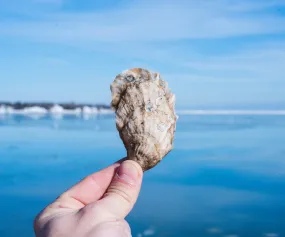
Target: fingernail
{"points": [[128, 172]]}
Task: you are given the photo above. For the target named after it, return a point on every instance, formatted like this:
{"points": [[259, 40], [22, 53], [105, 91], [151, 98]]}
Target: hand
{"points": [[96, 206]]}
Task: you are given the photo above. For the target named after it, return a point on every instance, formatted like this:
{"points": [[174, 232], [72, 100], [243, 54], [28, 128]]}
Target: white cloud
{"points": [[247, 6], [55, 61], [138, 30], [149, 21], [262, 61], [49, 1], [31, 9]]}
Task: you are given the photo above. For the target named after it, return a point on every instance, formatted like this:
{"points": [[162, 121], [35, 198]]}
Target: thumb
{"points": [[123, 191]]}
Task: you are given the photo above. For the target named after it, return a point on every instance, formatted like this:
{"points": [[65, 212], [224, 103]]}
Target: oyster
{"points": [[145, 115]]}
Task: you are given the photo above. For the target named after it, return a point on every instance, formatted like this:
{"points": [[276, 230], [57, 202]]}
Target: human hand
{"points": [[96, 206]]}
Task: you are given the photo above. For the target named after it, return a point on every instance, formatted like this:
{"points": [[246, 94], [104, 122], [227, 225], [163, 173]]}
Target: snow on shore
{"points": [[90, 110], [55, 110], [106, 111], [2, 110]]}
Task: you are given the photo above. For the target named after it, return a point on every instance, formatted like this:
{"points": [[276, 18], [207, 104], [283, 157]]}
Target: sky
{"points": [[212, 52]]}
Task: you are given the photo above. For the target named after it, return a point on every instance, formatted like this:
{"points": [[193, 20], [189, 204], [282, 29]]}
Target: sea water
{"points": [[225, 177]]}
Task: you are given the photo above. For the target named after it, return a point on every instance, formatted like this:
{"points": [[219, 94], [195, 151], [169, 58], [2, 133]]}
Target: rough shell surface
{"points": [[145, 115]]}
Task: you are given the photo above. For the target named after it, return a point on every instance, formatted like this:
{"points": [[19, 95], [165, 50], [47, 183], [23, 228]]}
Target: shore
{"points": [[53, 108], [93, 109]]}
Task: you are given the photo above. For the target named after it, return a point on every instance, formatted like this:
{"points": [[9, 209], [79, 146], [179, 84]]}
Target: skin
{"points": [[96, 206]]}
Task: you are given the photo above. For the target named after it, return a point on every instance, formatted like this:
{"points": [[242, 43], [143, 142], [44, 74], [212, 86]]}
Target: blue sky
{"points": [[212, 52]]}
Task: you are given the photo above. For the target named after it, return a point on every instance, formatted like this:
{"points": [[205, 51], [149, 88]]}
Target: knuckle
{"points": [[122, 193]]}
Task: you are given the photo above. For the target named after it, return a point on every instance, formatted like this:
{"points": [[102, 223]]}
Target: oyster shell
{"points": [[145, 115]]}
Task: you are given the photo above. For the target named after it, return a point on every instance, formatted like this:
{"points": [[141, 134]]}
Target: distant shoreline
{"points": [[89, 109], [53, 108], [49, 105]]}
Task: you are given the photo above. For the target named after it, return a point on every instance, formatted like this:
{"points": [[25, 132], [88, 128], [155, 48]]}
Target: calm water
{"points": [[225, 177]]}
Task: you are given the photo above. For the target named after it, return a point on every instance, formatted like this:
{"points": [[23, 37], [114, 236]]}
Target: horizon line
{"points": [[57, 109], [231, 112]]}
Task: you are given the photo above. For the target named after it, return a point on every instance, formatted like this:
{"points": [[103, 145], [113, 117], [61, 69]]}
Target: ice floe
{"points": [[55, 110]]}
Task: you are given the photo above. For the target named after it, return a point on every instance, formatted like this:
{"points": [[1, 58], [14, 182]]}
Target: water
{"points": [[226, 176]]}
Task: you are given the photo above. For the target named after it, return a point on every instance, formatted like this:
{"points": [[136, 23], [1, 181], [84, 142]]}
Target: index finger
{"points": [[88, 190]]}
